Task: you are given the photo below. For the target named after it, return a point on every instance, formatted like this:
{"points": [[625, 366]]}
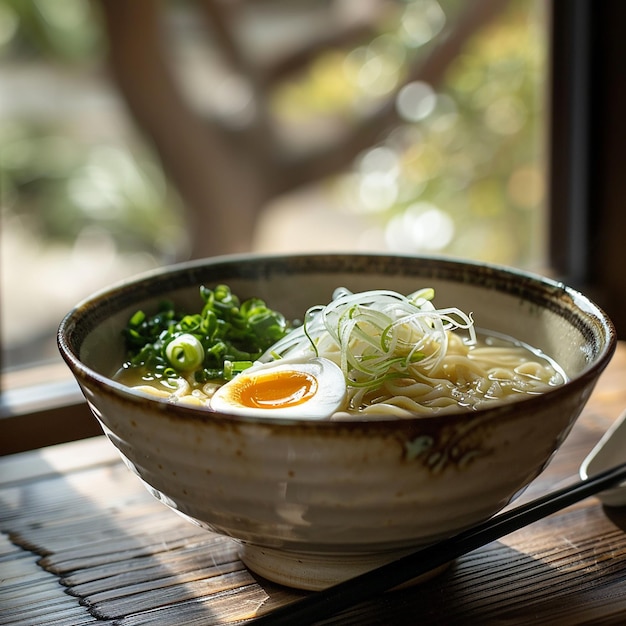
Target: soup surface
{"points": [[375, 353]]}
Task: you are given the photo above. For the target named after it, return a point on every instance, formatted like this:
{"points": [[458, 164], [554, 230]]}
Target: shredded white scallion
{"points": [[376, 336]]}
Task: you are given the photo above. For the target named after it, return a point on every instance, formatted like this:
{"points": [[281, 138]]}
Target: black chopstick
{"points": [[326, 603]]}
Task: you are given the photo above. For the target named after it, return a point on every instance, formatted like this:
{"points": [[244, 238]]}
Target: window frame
{"points": [[587, 220]]}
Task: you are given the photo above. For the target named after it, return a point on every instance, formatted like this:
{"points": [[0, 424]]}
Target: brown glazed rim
{"points": [[555, 296]]}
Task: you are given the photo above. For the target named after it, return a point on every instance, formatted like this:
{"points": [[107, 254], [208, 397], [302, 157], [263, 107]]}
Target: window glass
{"points": [[422, 126]]}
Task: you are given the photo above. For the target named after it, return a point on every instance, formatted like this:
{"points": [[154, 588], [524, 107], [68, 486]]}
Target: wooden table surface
{"points": [[82, 542]]}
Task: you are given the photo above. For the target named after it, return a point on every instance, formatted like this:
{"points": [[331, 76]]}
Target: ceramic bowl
{"points": [[315, 502]]}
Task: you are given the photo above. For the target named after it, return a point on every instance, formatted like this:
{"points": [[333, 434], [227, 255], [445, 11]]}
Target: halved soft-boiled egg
{"points": [[302, 388]]}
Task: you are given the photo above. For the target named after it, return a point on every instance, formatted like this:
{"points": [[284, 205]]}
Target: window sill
{"points": [[38, 415]]}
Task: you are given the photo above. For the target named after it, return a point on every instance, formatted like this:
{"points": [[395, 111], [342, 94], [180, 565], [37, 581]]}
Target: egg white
{"points": [[327, 397]]}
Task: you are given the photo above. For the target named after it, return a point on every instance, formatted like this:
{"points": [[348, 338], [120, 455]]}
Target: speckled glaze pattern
{"points": [[325, 500]]}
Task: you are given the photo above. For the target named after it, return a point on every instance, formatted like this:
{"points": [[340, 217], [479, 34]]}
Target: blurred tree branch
{"points": [[225, 176]]}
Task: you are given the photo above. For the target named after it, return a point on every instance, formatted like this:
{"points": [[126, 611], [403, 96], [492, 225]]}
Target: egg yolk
{"points": [[277, 390]]}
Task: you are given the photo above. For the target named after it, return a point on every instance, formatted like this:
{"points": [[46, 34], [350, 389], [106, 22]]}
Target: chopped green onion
{"points": [[185, 352], [168, 342], [232, 368]]}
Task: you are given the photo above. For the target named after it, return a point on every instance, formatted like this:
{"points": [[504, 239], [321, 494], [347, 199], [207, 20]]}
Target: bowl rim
{"points": [[528, 284]]}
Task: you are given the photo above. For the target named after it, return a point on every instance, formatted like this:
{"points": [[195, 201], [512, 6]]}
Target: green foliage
{"points": [[54, 175], [62, 184], [462, 174], [63, 30], [467, 161]]}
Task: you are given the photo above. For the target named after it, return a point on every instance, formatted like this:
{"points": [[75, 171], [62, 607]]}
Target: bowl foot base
{"points": [[314, 572]]}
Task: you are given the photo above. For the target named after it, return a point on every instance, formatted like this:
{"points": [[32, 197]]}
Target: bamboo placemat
{"points": [[93, 547]]}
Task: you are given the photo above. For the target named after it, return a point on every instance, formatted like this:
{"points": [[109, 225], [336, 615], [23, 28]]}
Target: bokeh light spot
{"points": [[422, 21], [422, 227], [526, 187]]}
